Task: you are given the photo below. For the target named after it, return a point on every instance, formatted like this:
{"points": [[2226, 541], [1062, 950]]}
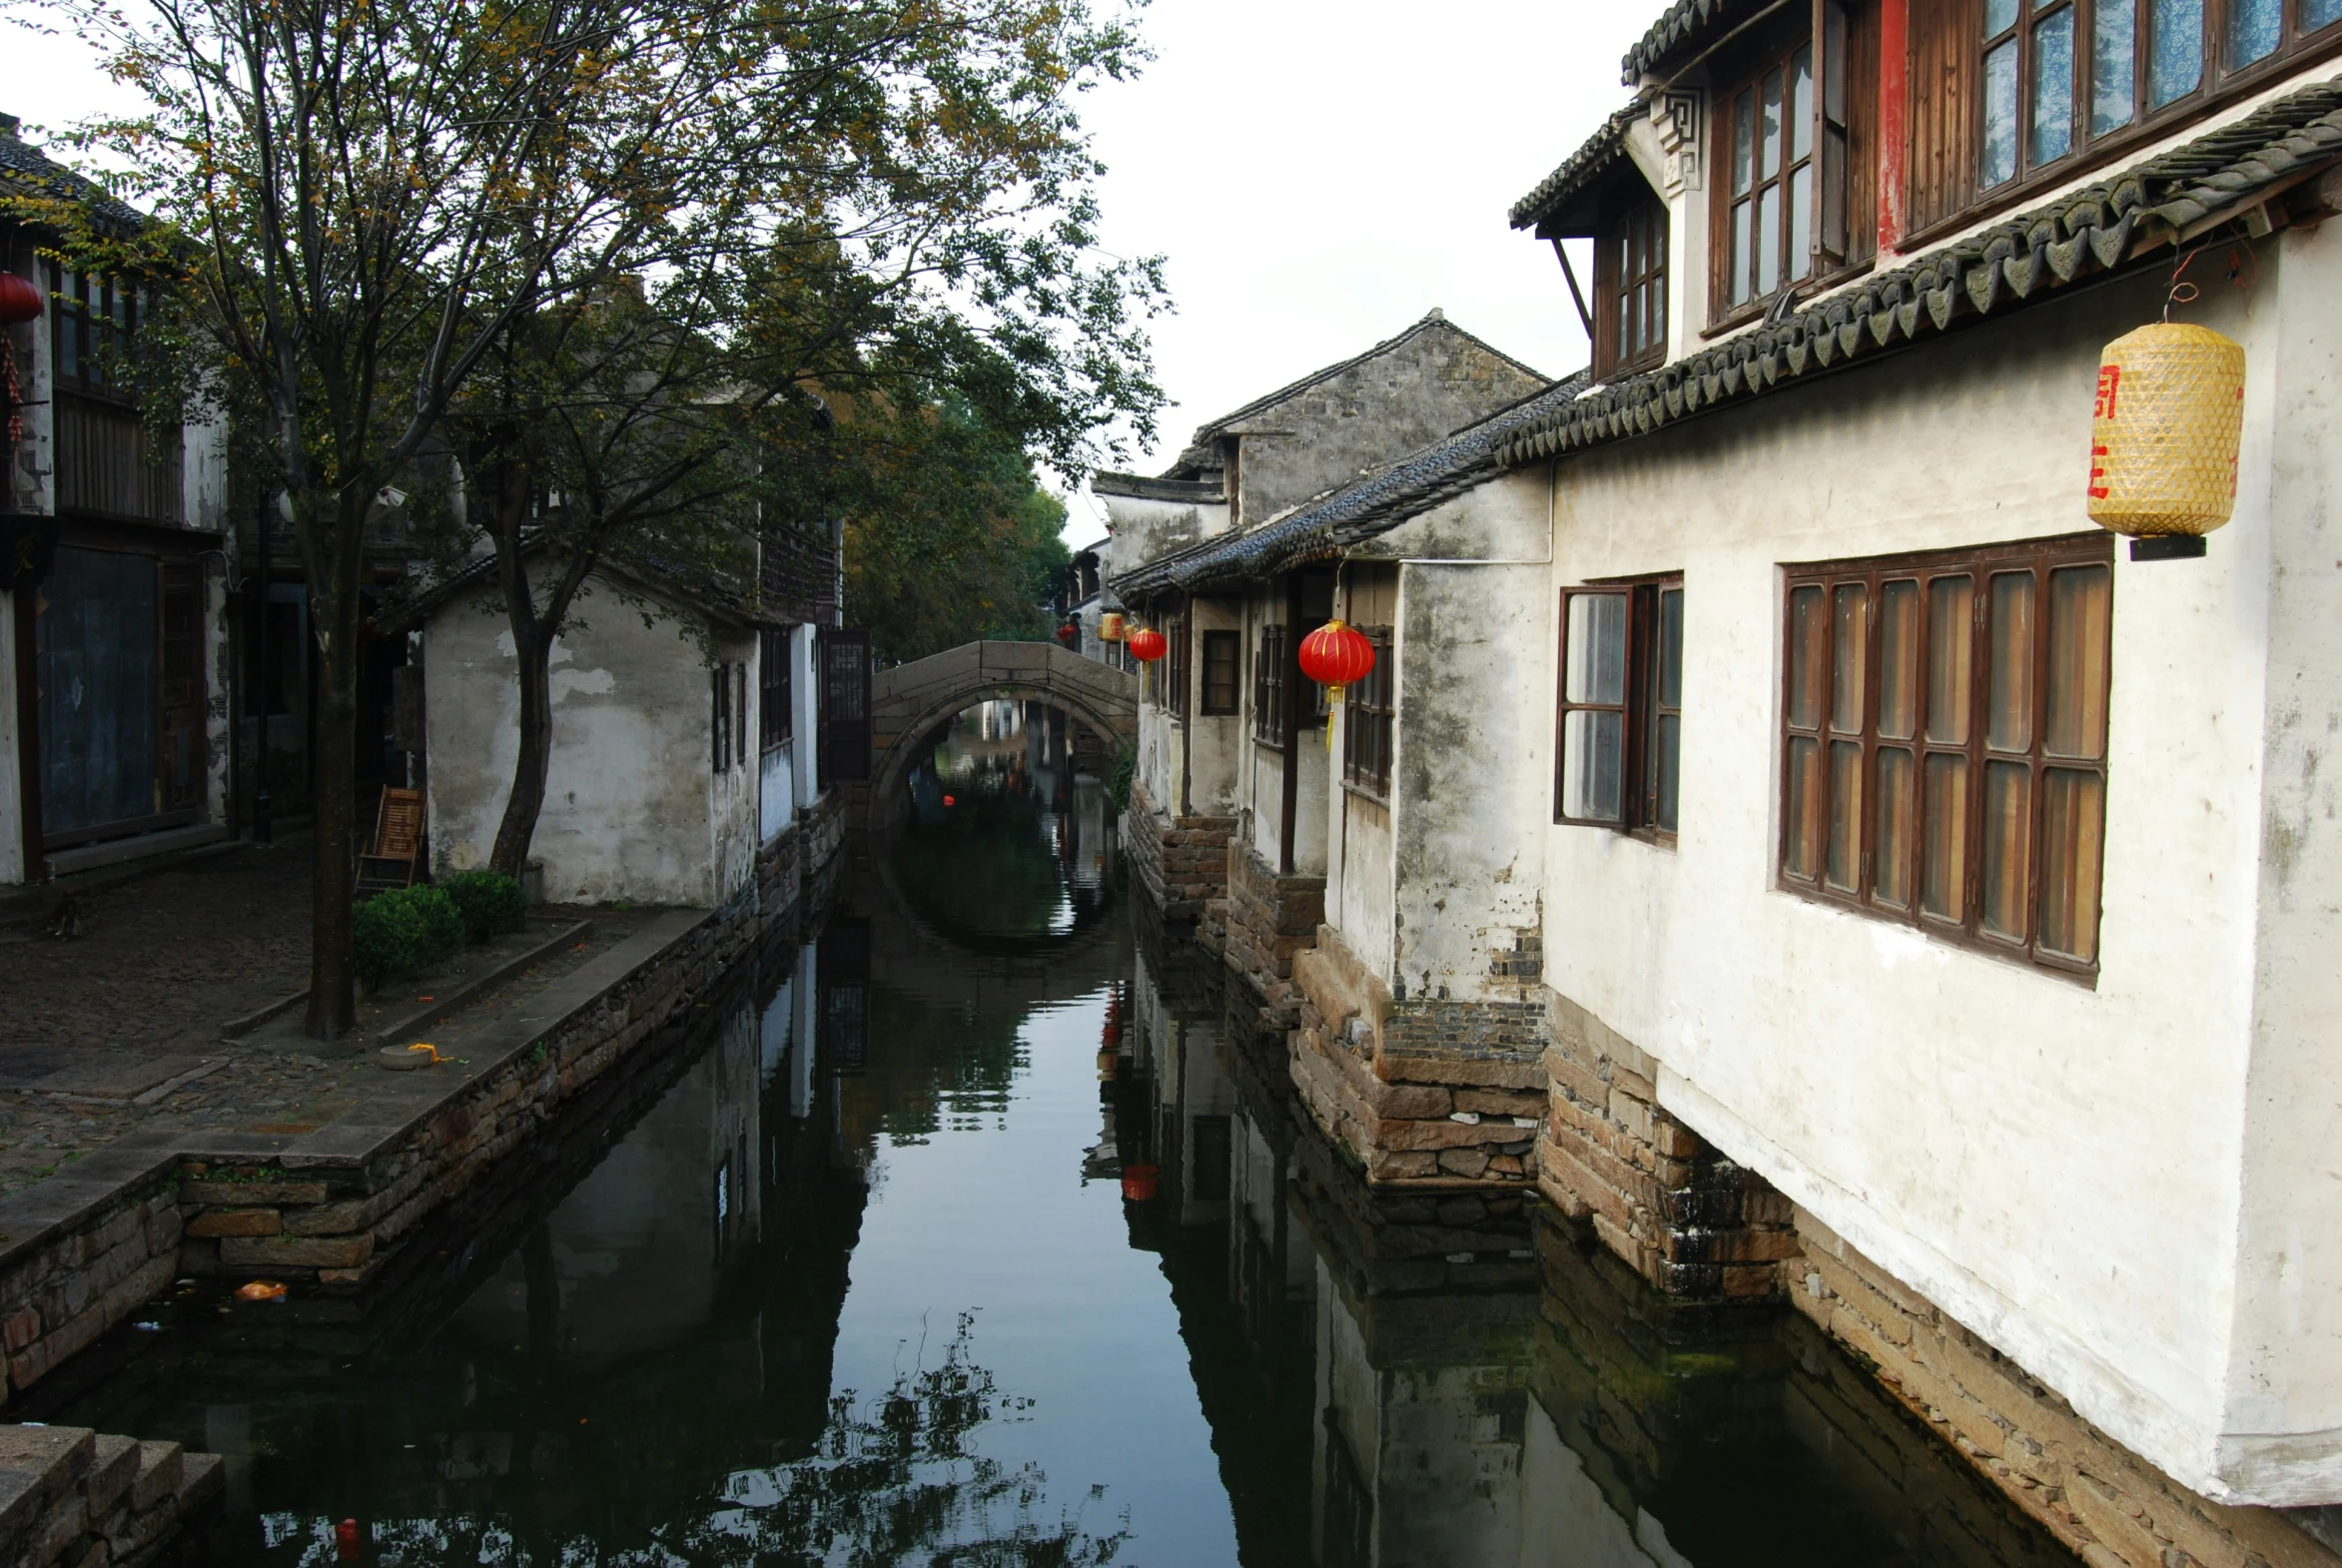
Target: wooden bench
{"points": [[389, 861]]}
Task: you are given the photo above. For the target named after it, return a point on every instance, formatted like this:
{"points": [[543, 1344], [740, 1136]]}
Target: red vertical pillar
{"points": [[1893, 123]]}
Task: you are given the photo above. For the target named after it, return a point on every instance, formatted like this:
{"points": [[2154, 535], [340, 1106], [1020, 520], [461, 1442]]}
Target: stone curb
{"points": [[423, 1017]]}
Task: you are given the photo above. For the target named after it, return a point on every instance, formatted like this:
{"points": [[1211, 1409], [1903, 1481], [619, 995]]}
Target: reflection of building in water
{"points": [[1458, 1379]]}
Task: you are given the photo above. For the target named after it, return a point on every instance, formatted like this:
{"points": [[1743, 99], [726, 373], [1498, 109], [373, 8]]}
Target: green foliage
{"points": [[489, 902], [404, 932], [1118, 774]]}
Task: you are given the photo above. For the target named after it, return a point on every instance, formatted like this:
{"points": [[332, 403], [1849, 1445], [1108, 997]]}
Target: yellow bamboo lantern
{"points": [[2164, 432], [1110, 626]]}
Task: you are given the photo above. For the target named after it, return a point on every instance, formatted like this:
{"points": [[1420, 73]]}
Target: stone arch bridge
{"points": [[911, 701]]}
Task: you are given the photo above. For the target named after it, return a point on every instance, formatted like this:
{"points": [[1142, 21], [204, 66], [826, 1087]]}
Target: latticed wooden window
{"points": [[775, 676], [1222, 664], [1366, 727], [1943, 743], [1620, 724], [1175, 665], [1269, 687], [1630, 290]]}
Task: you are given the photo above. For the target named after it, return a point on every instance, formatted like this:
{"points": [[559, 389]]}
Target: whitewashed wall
{"points": [[2128, 1188], [633, 807]]}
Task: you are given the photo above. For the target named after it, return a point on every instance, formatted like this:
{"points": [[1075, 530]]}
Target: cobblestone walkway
{"points": [[161, 963]]}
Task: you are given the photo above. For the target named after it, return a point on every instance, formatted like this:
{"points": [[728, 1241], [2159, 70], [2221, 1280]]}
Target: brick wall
{"points": [[1267, 919]]}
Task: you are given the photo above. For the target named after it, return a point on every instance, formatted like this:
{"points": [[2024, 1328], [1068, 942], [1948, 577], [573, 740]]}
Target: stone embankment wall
{"points": [[329, 1209], [1656, 1194], [1263, 923], [1423, 1093], [1181, 861], [69, 1495]]}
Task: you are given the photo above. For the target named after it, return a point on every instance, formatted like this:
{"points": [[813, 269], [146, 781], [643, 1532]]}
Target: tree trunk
{"points": [[334, 611], [528, 798]]}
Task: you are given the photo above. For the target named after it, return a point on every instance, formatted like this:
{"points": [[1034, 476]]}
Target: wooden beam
{"points": [[1585, 317]]}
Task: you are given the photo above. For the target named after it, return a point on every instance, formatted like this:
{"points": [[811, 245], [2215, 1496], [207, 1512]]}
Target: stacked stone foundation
{"points": [[1428, 1093], [1701, 1230], [1265, 920], [70, 1495], [1181, 861]]}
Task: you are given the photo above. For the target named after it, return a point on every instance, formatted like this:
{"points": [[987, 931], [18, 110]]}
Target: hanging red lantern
{"points": [[20, 301], [1140, 1183], [1148, 645], [1335, 656], [1068, 634]]}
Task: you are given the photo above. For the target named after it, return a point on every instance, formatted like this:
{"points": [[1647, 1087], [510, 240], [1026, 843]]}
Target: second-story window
{"points": [[1366, 728], [96, 320], [1767, 184], [1269, 687], [1220, 664], [1630, 290], [1174, 663], [775, 718]]}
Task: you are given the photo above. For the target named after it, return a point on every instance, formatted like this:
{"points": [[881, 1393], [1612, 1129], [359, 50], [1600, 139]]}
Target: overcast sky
{"points": [[1317, 175]]}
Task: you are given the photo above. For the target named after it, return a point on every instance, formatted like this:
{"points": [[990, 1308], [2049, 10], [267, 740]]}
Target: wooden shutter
{"points": [[1941, 180], [844, 755]]}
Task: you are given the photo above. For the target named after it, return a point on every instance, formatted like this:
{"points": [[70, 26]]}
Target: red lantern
{"points": [[1334, 655], [1139, 1183], [20, 301], [1068, 634], [1148, 645]]}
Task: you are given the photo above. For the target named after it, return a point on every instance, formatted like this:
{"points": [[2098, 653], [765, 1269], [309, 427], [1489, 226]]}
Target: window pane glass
{"points": [[1846, 813], [1999, 161], [1890, 865], [2053, 127], [2320, 13], [1744, 144], [2008, 799], [1597, 649], [2177, 64], [1670, 648], [2254, 27], [1944, 875], [1898, 658], [1742, 262], [1592, 744], [2009, 721], [2073, 809], [1801, 811], [1769, 144], [1801, 104], [2000, 17], [2114, 30], [1805, 657], [1768, 239], [2082, 602], [1668, 744], [1847, 625], [1801, 221], [1949, 669]]}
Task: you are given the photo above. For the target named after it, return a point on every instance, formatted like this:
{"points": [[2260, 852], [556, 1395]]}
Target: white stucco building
{"points": [[1865, 880]]}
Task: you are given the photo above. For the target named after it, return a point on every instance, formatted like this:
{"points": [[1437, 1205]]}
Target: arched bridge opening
{"points": [[911, 703]]}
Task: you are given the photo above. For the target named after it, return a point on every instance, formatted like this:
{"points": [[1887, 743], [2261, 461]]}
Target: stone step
{"points": [[69, 1494]]}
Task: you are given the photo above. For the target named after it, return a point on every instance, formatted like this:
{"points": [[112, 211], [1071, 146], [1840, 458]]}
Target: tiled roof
{"points": [[1604, 147], [2011, 264], [1324, 527], [26, 171], [1678, 26]]}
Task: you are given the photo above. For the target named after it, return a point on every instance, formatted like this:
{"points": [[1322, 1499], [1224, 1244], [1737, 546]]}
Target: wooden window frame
{"points": [[1747, 87], [2042, 557], [101, 316], [1630, 268], [1176, 666], [1640, 707], [721, 718], [1221, 646], [1269, 687], [1370, 730], [1939, 211], [776, 682]]}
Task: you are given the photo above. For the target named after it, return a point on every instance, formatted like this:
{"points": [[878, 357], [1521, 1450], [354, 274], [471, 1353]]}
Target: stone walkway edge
{"points": [[553, 939], [84, 1249]]}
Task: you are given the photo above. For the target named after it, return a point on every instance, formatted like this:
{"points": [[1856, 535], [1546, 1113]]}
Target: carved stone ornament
{"points": [[1675, 115]]}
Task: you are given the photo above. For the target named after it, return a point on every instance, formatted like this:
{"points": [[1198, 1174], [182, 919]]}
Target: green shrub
{"points": [[489, 902], [404, 932], [1119, 775]]}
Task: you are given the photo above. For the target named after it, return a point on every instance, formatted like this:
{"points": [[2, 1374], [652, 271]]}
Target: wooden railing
{"points": [[109, 462]]}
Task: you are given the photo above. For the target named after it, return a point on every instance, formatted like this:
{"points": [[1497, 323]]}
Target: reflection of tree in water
{"points": [[894, 1479], [941, 1062], [986, 867]]}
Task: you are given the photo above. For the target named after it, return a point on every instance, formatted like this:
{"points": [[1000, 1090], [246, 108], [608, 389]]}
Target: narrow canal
{"points": [[981, 1227]]}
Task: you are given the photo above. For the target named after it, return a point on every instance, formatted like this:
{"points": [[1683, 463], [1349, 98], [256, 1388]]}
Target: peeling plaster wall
{"points": [[1325, 436], [1141, 529], [2063, 1167], [634, 809]]}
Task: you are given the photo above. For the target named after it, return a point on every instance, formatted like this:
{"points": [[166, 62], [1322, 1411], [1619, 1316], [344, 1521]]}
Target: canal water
{"points": [[980, 1227]]}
